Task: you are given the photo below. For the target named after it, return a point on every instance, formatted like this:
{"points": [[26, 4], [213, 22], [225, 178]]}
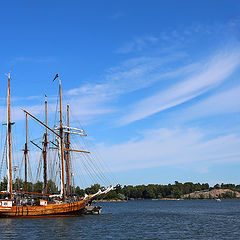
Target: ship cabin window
{"points": [[6, 203], [43, 203]]}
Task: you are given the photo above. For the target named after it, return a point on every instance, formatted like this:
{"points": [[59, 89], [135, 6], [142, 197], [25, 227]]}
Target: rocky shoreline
{"points": [[212, 194], [204, 194]]}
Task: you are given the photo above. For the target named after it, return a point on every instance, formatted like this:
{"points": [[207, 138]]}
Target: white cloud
{"points": [[89, 107], [214, 72], [86, 102], [138, 73], [161, 147], [91, 100], [224, 102], [18, 114], [134, 74]]}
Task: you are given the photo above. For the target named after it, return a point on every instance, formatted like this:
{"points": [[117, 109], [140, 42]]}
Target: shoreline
{"points": [[161, 199]]}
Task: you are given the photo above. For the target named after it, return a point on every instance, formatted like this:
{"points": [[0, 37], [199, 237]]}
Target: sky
{"points": [[155, 84]]}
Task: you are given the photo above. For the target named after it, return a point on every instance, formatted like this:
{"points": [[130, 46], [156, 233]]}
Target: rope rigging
{"points": [[88, 166]]}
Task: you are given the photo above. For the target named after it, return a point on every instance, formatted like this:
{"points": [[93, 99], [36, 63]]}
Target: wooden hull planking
{"points": [[51, 210]]}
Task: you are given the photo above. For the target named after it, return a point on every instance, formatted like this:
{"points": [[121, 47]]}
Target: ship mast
{"points": [[61, 143], [60, 140], [45, 149], [9, 153], [67, 146], [25, 155]]}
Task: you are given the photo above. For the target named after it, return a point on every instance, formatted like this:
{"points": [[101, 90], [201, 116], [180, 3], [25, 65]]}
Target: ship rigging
{"points": [[21, 203]]}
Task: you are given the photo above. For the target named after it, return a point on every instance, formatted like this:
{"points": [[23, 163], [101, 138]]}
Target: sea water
{"points": [[142, 219]]}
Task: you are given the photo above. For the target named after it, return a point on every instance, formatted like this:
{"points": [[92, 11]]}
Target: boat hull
{"points": [[51, 210]]}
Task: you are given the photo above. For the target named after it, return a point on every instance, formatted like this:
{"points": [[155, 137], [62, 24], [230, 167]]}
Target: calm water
{"points": [[199, 219]]}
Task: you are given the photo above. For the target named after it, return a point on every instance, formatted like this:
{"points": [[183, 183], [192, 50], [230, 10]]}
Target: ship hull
{"points": [[51, 210]]}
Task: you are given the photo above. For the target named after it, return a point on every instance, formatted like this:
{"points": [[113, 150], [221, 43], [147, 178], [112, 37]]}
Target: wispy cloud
{"points": [[18, 114], [134, 74], [89, 107], [193, 78], [210, 75], [162, 147], [91, 100], [224, 102], [138, 44]]}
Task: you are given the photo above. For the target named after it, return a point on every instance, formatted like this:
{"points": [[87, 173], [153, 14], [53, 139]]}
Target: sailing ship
{"points": [[17, 203]]}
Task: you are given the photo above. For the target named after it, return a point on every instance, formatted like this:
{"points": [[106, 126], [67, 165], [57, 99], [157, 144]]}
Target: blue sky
{"points": [[155, 84]]}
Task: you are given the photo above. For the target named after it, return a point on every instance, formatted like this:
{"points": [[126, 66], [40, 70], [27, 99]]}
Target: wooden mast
{"points": [[25, 155], [45, 149], [9, 151], [67, 146], [61, 140]]}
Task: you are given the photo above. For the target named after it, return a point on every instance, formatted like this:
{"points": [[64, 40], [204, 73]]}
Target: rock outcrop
{"points": [[214, 193]]}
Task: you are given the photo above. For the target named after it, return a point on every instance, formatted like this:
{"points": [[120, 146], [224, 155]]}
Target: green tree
{"points": [[29, 186], [79, 192], [149, 193], [3, 185], [38, 187], [51, 187], [18, 185], [111, 195], [176, 193], [93, 189]]}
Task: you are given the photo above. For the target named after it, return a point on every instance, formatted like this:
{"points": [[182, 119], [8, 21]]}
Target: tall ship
{"points": [[21, 203]]}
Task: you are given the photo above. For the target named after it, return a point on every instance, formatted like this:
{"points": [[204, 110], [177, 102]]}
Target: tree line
{"points": [[150, 191], [158, 191]]}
